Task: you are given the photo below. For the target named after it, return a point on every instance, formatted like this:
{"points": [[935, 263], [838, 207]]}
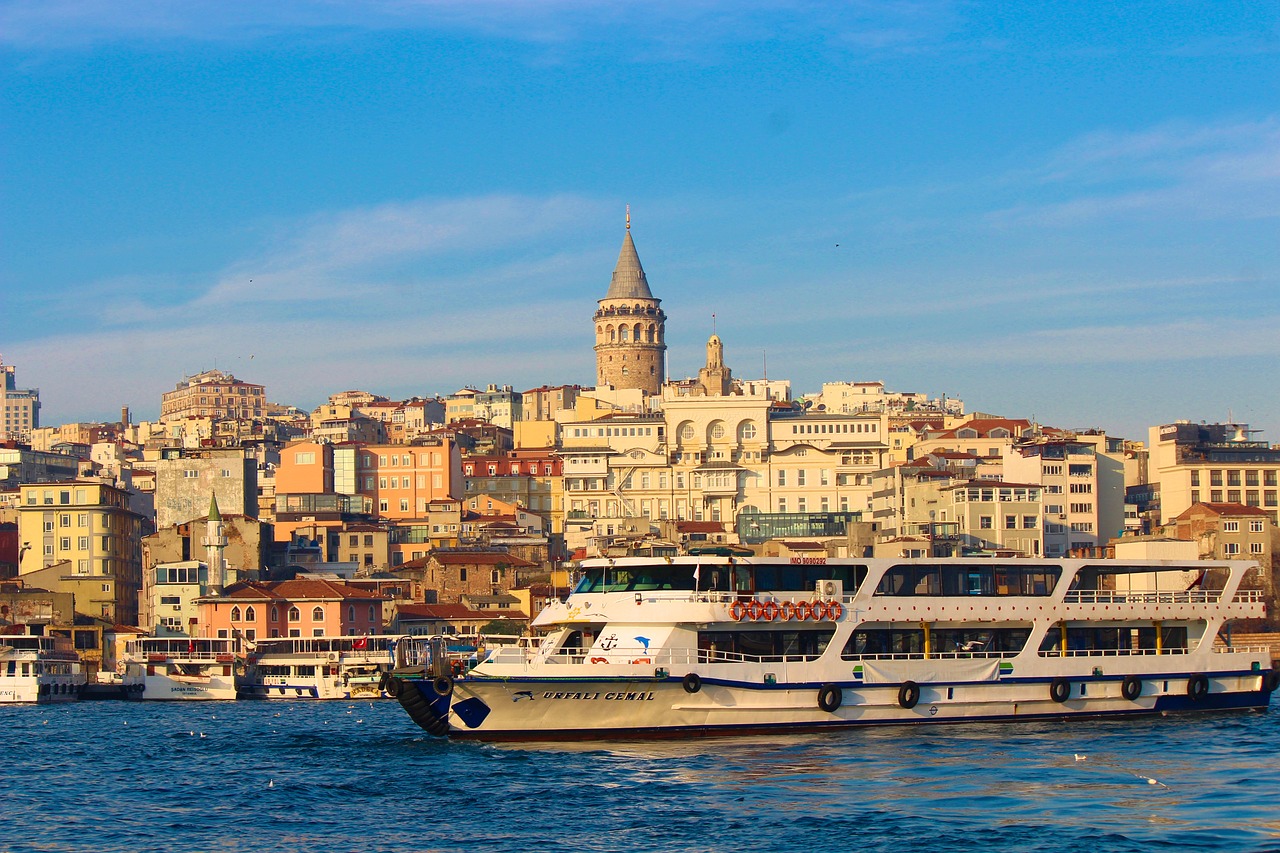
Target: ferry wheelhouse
{"points": [[39, 669], [182, 668], [341, 667], [651, 647]]}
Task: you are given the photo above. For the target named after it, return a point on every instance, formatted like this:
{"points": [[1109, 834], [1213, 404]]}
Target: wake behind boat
{"points": [[648, 647]]}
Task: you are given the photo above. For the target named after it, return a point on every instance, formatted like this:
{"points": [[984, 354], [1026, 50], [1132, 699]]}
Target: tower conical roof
{"points": [[214, 515], [628, 281]]}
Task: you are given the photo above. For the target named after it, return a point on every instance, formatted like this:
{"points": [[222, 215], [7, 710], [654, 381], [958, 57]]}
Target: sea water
{"points": [[360, 776]]}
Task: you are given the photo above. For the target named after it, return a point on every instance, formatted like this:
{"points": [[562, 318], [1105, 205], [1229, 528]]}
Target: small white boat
{"points": [[336, 667], [182, 668], [692, 646], [39, 669]]}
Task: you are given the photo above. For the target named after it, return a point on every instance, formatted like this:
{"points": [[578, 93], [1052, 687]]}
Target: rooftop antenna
{"points": [[628, 217], [713, 324], [764, 355]]}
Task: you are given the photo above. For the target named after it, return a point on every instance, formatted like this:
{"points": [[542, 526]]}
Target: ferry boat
{"points": [[39, 669], [182, 668], [687, 646], [338, 667]]}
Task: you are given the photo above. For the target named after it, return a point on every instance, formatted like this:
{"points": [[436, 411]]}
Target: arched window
{"points": [[317, 614], [496, 577], [250, 615], [609, 330], [275, 613], [373, 614], [715, 431], [624, 334], [650, 335], [235, 614], [351, 613], [637, 333], [295, 615], [746, 431]]}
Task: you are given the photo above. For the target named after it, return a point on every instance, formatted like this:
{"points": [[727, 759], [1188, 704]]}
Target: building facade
{"points": [[213, 394], [19, 407]]}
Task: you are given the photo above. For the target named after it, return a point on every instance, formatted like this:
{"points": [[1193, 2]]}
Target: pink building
{"points": [[293, 608]]}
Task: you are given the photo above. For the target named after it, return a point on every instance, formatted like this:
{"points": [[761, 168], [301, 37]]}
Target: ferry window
{"points": [[762, 645], [976, 579], [886, 642]]}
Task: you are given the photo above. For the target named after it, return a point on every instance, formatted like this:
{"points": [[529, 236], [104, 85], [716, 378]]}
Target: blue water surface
{"points": [[360, 776]]}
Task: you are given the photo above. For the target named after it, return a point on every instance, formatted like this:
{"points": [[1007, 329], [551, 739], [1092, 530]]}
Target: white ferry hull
{"points": [[41, 691], [194, 688], [651, 708]]}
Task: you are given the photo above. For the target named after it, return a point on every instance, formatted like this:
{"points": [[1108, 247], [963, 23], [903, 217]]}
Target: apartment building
{"points": [[19, 407], [212, 394], [1212, 463]]}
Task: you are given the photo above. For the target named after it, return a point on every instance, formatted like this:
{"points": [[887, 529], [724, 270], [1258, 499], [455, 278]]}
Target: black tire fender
{"points": [[394, 687], [442, 685], [1198, 686], [692, 682], [1059, 690], [829, 697], [1131, 687], [908, 694]]}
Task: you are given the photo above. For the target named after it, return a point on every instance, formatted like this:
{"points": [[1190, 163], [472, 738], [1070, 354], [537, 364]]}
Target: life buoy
{"points": [[1197, 687], [1270, 681], [737, 610], [787, 611], [820, 611], [769, 611], [442, 685], [1131, 687], [829, 697], [754, 610], [834, 611], [804, 610], [1059, 690], [394, 687], [692, 683], [908, 694]]}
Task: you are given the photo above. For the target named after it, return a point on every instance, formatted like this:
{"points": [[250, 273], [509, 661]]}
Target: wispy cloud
{"points": [[1206, 171]]}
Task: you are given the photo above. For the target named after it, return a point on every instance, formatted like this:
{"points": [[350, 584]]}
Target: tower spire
{"points": [[628, 217]]}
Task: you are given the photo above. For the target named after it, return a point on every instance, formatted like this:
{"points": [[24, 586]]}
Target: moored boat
{"points": [[39, 669], [337, 667], [182, 668], [668, 648]]}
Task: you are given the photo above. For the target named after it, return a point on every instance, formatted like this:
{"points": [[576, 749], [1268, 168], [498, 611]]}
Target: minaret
{"points": [[215, 543], [715, 379], [630, 327]]}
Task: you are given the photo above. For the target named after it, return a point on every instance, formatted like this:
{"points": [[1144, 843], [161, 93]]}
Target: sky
{"points": [[1062, 211]]}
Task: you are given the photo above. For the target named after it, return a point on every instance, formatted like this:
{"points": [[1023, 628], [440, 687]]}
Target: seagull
{"points": [[271, 783], [202, 734], [1080, 757]]}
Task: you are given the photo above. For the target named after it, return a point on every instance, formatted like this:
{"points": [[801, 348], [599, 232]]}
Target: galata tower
{"points": [[631, 341]]}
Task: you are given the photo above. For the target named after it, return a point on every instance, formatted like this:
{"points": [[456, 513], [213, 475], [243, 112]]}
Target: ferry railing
{"points": [[1195, 596], [1241, 650], [930, 656], [1096, 653]]}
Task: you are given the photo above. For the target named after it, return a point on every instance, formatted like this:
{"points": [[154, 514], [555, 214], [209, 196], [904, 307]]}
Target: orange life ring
{"points": [[737, 610], [754, 610], [769, 611], [834, 611], [804, 610], [642, 660], [787, 611], [820, 611]]}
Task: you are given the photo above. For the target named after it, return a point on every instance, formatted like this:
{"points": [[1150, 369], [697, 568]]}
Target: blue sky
{"points": [[1062, 210]]}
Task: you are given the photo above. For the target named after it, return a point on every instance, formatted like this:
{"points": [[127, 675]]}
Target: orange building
{"points": [[294, 608]]}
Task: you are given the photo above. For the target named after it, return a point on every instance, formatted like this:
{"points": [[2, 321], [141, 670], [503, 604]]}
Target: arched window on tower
{"points": [[651, 334], [623, 334], [609, 333], [637, 333]]}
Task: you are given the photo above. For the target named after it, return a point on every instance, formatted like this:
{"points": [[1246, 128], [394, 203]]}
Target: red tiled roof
{"points": [[700, 526], [300, 590], [479, 558], [454, 611], [1223, 509]]}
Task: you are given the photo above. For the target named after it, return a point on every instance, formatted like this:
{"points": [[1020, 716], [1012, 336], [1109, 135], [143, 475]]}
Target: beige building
{"points": [[630, 327], [185, 480], [19, 407], [87, 528], [213, 394], [1212, 463], [1227, 532], [994, 516]]}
